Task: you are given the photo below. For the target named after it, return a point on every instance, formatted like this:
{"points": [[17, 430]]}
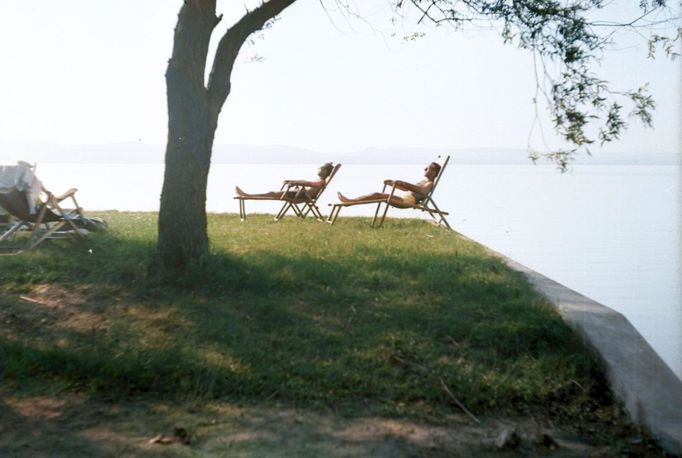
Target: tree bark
{"points": [[193, 111], [182, 212]]}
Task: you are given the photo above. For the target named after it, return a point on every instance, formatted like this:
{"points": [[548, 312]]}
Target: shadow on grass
{"points": [[379, 334], [37, 430]]}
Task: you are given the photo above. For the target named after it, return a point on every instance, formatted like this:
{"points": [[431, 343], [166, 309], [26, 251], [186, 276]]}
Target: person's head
{"points": [[325, 170], [432, 170]]}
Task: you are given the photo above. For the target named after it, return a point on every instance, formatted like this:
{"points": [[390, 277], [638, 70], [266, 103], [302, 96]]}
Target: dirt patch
{"points": [[36, 426], [48, 305]]}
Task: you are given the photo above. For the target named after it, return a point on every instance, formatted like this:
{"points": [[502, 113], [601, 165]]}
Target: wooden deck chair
{"points": [[301, 205], [426, 205], [44, 217]]}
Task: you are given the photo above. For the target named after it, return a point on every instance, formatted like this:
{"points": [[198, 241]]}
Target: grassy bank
{"points": [[394, 322]]}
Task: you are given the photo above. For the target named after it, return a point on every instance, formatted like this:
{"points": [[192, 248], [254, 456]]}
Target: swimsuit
{"points": [[410, 199], [309, 192]]}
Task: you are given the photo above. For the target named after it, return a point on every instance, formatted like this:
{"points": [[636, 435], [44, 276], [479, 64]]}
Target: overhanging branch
{"points": [[231, 43]]}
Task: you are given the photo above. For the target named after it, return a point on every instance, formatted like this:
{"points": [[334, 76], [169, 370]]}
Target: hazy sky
{"points": [[83, 72]]}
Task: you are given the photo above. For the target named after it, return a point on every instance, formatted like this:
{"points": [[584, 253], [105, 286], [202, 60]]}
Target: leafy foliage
{"points": [[568, 42]]}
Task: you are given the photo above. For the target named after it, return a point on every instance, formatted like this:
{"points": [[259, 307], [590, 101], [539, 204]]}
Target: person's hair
{"points": [[326, 169], [437, 166]]}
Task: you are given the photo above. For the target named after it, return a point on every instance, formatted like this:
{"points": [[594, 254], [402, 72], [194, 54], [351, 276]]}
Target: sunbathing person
{"points": [[310, 188], [414, 193]]}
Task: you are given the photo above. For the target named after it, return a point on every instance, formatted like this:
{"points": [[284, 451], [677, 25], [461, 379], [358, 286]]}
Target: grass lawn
{"points": [[396, 322]]}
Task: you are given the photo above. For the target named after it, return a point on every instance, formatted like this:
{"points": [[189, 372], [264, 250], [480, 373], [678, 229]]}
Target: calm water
{"points": [[613, 233]]}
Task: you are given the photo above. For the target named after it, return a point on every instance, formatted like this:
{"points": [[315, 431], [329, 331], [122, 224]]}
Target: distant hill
{"points": [[11, 151], [134, 153]]}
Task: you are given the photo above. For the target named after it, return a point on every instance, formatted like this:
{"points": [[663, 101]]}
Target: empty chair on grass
{"points": [[300, 196], [401, 194]]}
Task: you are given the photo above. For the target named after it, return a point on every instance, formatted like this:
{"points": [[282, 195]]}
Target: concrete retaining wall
{"points": [[648, 388]]}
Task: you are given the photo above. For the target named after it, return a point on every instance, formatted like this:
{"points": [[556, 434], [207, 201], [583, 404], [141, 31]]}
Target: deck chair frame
{"points": [[48, 222], [301, 205], [427, 205]]}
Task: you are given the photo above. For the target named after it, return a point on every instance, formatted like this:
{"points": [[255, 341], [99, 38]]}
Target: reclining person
{"points": [[414, 193], [310, 188]]}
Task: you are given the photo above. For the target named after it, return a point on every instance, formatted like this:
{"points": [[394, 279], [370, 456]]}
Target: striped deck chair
{"points": [[301, 205], [426, 205]]}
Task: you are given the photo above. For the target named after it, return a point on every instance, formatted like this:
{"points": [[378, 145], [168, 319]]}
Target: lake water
{"points": [[610, 232]]}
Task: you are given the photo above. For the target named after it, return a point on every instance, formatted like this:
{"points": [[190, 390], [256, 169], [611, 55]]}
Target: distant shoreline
{"points": [[140, 153], [377, 163]]}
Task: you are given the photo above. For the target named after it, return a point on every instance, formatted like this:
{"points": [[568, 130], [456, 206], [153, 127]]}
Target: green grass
{"points": [[362, 321]]}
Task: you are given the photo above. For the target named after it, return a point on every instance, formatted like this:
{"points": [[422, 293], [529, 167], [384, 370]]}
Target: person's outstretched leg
{"points": [[395, 200], [365, 198], [267, 195]]}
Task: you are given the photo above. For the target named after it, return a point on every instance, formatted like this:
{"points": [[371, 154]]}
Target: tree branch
{"points": [[564, 33], [230, 44]]}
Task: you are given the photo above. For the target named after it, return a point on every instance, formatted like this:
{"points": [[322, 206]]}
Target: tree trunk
{"points": [[182, 215], [191, 128], [193, 110]]}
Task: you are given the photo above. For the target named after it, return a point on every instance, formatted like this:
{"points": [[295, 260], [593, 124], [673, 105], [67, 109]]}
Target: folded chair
{"points": [[34, 208], [301, 205], [427, 205]]}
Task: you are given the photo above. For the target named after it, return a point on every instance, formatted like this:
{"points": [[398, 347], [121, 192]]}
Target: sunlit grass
{"points": [[346, 317]]}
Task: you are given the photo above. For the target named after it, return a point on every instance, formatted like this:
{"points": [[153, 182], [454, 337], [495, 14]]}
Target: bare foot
{"points": [[343, 198]]}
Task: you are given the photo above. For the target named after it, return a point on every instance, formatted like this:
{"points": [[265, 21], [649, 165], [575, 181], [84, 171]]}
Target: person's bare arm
{"points": [[423, 187], [314, 184]]}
